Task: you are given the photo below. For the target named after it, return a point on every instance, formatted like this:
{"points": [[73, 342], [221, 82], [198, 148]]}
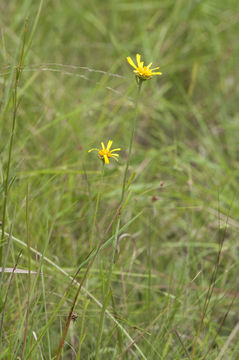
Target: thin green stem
{"points": [[29, 272], [97, 207], [131, 139], [15, 107]]}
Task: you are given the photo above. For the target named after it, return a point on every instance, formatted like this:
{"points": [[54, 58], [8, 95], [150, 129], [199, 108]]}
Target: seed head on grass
{"points": [[105, 153], [142, 71]]}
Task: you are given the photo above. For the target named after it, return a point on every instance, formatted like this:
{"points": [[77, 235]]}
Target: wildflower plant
{"points": [[142, 71], [105, 153]]}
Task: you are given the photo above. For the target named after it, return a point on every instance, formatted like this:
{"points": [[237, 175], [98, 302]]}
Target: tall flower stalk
{"points": [[142, 73]]}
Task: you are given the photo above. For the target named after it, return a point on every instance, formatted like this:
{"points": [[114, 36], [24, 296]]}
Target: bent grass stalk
{"points": [[114, 244], [60, 348], [14, 118], [86, 292]]}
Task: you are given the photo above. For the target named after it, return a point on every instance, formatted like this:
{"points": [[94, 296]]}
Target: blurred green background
{"points": [[77, 90]]}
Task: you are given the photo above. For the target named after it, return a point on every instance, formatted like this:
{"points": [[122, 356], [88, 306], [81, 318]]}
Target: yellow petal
{"points": [[130, 61], [103, 145], [93, 150], [106, 159], [138, 59], [114, 155], [114, 158], [155, 68], [157, 73], [149, 65], [110, 142], [118, 149]]}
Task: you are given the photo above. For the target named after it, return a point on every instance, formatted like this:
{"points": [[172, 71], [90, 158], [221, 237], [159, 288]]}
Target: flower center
{"points": [[144, 71], [104, 152]]}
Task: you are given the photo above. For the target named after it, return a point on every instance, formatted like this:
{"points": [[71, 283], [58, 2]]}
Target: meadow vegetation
{"points": [[86, 272]]}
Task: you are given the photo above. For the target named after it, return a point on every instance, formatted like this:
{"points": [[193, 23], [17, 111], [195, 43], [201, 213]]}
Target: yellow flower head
{"points": [[141, 71], [106, 153]]}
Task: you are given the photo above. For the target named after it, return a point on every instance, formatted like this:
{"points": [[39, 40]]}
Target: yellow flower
{"points": [[106, 153], [142, 72]]}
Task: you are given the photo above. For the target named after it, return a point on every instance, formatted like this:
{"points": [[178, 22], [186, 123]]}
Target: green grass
{"points": [[177, 248]]}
